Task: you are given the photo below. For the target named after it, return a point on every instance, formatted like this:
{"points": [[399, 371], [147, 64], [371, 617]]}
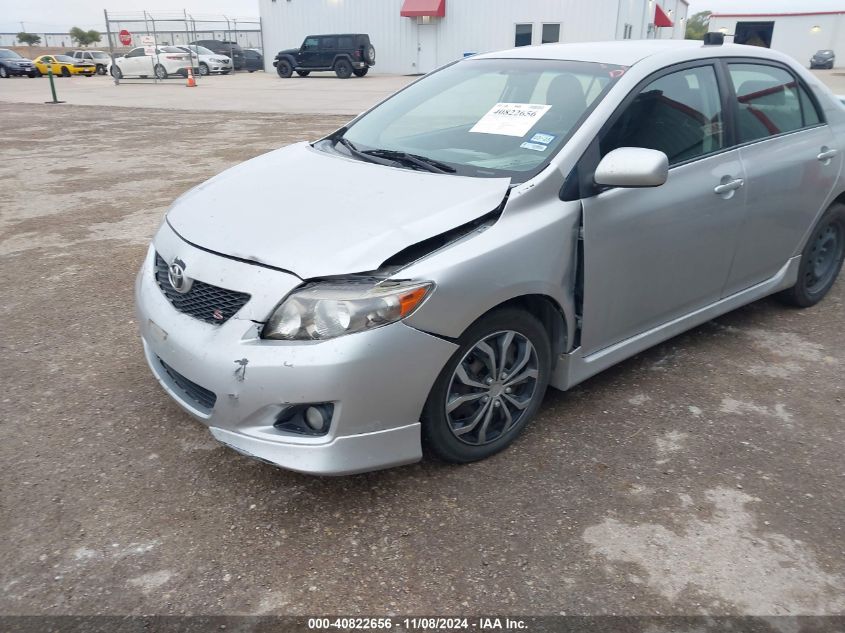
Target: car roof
{"points": [[623, 52], [338, 35]]}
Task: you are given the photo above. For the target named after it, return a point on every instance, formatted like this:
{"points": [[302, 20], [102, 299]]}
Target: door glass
{"points": [[310, 44], [344, 43], [330, 43], [523, 35], [551, 33], [767, 101], [679, 114], [811, 115]]}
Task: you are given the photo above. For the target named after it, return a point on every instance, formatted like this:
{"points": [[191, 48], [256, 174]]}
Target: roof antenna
{"points": [[714, 39]]}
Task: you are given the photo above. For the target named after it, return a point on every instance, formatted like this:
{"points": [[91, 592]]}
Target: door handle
{"points": [[827, 154], [727, 187]]}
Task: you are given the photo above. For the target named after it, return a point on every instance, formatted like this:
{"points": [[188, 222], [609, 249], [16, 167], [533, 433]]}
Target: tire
{"points": [[302, 73], [284, 69], [4, 74], [821, 260], [249, 71], [360, 72], [65, 71], [370, 55], [343, 69], [32, 75], [101, 70], [38, 73], [479, 427], [204, 72], [161, 72]]}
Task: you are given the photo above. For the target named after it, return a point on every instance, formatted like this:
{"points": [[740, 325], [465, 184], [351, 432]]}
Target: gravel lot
{"points": [[703, 476]]}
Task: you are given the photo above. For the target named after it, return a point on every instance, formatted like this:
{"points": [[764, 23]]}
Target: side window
{"points": [[329, 43], [136, 52], [344, 43], [767, 101], [522, 35], [679, 114], [310, 43], [808, 108]]}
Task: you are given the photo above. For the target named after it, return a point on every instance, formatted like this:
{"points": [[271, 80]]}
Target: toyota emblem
{"points": [[176, 275]]}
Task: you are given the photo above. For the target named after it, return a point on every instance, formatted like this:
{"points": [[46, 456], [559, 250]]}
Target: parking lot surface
{"points": [[241, 92], [702, 476]]}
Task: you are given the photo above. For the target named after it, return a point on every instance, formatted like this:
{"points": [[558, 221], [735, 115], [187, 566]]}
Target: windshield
{"points": [[99, 55], [202, 50], [65, 58], [487, 117], [7, 54]]}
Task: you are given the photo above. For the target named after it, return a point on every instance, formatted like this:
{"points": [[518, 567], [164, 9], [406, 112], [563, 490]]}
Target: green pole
{"points": [[52, 87]]}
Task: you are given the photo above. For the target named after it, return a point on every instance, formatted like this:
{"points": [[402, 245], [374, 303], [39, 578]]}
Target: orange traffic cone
{"points": [[191, 83]]}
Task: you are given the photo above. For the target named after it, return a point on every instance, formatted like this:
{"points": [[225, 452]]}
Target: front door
{"points": [[792, 161], [426, 47], [309, 53], [654, 255]]}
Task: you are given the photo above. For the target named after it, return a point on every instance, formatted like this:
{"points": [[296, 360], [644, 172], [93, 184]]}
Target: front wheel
{"points": [[821, 260], [116, 72], [204, 69], [160, 72], [65, 71], [101, 70], [32, 75], [284, 69], [343, 69], [4, 74], [360, 72], [490, 389]]}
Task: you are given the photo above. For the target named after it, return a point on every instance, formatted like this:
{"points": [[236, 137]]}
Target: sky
{"points": [[57, 15]]}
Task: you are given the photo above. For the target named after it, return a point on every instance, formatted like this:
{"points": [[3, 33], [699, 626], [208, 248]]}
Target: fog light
{"points": [[315, 418], [305, 419]]}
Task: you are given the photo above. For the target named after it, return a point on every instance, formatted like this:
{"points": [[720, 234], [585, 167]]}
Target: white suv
{"points": [[100, 58]]}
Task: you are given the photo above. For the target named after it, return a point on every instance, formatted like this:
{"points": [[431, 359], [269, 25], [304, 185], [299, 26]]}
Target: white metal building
{"points": [[799, 34], [417, 36]]}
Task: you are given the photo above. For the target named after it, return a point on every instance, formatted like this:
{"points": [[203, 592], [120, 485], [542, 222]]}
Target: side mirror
{"points": [[632, 167]]}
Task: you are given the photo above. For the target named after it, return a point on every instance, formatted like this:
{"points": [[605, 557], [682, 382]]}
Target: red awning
{"points": [[660, 17], [418, 8]]}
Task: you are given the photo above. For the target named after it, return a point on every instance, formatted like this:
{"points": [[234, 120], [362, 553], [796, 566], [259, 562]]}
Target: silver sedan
{"points": [[511, 221]]}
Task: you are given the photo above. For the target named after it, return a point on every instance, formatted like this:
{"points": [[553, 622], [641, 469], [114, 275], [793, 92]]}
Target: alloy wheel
{"points": [[492, 387]]}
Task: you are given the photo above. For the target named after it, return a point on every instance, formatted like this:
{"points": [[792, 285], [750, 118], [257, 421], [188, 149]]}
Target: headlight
{"points": [[330, 309]]}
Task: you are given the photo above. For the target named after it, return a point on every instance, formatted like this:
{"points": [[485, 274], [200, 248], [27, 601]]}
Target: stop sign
{"points": [[125, 37]]}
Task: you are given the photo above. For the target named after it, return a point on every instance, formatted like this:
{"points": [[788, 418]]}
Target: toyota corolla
{"points": [[511, 221]]}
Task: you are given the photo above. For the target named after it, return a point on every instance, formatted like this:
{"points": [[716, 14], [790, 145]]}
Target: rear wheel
{"points": [[360, 72], [65, 71], [301, 73], [284, 69], [343, 69], [161, 72], [821, 260], [490, 389]]}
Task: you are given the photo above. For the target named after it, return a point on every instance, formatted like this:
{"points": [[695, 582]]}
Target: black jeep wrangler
{"points": [[346, 55]]}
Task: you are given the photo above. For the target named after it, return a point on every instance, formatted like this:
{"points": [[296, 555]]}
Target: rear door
{"points": [[792, 161], [328, 49], [653, 255]]}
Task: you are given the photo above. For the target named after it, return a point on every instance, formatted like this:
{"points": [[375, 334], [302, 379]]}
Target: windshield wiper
{"points": [[350, 146], [429, 164]]}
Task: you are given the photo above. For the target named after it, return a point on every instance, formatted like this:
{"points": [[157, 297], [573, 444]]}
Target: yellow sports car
{"points": [[64, 65]]}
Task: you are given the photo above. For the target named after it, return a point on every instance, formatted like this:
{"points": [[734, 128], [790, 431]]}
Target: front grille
{"points": [[203, 301], [200, 396]]}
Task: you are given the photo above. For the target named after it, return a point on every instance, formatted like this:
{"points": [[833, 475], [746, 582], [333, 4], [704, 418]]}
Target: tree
{"points": [[30, 39], [83, 37], [698, 25]]}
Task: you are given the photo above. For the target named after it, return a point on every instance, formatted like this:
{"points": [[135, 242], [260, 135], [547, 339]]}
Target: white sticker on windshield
{"points": [[511, 119], [537, 147]]}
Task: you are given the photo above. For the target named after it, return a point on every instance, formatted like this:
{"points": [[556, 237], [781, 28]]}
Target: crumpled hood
{"points": [[318, 214]]}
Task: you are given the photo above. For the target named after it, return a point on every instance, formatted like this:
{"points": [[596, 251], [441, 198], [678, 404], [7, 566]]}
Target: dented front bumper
{"points": [[377, 380]]}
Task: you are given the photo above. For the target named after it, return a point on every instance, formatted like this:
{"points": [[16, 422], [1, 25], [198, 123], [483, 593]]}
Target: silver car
{"points": [[511, 221]]}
